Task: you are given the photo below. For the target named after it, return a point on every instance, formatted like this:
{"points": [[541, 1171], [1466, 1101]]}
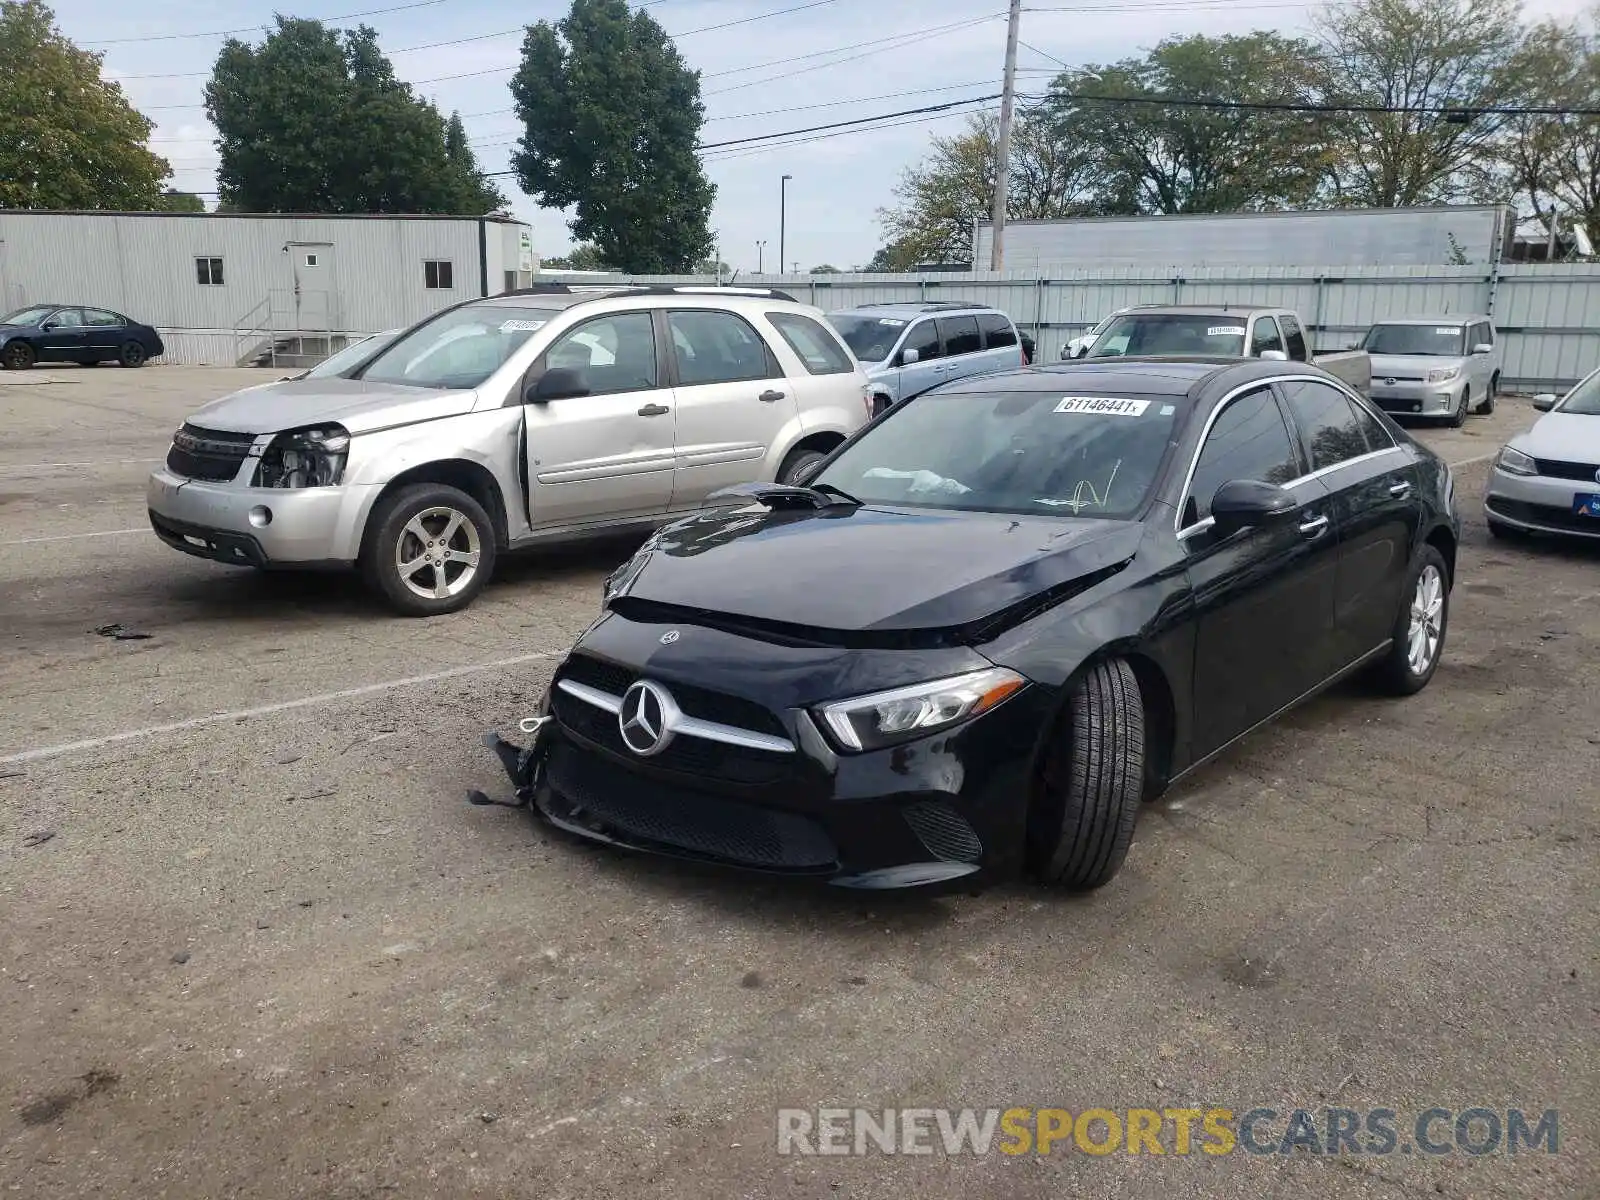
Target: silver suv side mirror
{"points": [[908, 356], [1544, 401]]}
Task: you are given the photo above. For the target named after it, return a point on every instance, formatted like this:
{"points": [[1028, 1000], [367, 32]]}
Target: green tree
{"points": [[585, 256], [941, 197], [172, 200], [1162, 158], [897, 256], [314, 120], [712, 266], [482, 194], [825, 269], [68, 139], [1416, 57], [611, 116]]}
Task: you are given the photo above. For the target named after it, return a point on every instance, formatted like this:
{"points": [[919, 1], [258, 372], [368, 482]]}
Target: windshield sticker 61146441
{"points": [[1104, 405]]}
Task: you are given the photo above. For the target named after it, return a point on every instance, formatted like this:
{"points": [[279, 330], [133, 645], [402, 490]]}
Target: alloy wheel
{"points": [[437, 553], [1427, 621]]}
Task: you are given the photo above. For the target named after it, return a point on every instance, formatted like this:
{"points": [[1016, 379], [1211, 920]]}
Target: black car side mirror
{"points": [[558, 383], [1250, 503]]}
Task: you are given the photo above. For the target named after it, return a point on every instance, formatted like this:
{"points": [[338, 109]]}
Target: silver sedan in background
{"points": [[1548, 479]]}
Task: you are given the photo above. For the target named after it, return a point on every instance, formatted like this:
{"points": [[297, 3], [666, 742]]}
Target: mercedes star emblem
{"points": [[669, 637], [645, 718], [1391, 381]]}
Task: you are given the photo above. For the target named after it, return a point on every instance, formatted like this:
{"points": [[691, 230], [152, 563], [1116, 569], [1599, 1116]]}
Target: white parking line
{"points": [[67, 537], [1467, 462], [264, 710], [102, 462]]}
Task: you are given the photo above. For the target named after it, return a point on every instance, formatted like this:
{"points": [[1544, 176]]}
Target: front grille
{"points": [[694, 701], [624, 804], [1544, 514], [208, 454], [691, 755], [1556, 469], [944, 832]]}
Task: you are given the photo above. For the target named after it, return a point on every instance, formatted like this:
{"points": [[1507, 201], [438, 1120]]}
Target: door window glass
{"points": [[718, 347], [99, 316], [1248, 441], [615, 353], [1334, 428], [924, 339], [815, 346], [1265, 337], [67, 318], [960, 335], [1295, 338], [997, 332]]}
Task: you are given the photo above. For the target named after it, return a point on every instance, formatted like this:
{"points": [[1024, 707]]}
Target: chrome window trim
{"points": [[1184, 531], [711, 731]]}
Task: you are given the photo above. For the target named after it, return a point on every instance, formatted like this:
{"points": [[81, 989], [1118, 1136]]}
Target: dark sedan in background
{"points": [[74, 333], [995, 621]]}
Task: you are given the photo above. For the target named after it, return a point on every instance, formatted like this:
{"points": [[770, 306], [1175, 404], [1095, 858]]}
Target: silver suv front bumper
{"points": [[259, 527]]}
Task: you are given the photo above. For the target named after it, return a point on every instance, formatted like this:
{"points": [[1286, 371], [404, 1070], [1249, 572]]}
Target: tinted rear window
{"points": [[997, 331]]}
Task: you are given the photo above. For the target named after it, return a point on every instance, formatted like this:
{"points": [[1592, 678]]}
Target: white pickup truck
{"points": [[1223, 331]]}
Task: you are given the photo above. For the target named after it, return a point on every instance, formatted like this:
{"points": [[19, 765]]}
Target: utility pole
{"points": [[1002, 166], [761, 256], [783, 215]]}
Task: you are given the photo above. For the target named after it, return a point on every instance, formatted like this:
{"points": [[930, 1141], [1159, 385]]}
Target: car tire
{"points": [[800, 466], [403, 529], [18, 356], [1487, 405], [1459, 417], [1426, 599], [1091, 781], [132, 354]]}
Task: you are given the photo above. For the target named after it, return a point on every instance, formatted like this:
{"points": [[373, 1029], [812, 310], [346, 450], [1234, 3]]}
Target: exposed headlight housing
{"points": [[1515, 462], [1443, 374], [884, 718], [301, 458]]}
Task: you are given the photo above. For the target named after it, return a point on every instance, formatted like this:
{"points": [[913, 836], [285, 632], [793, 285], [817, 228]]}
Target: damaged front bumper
{"points": [[522, 764]]}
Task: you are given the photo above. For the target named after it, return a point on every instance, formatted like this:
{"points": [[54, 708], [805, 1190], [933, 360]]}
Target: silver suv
{"points": [[542, 415], [911, 347]]}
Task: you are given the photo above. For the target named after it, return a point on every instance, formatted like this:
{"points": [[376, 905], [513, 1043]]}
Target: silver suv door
{"points": [[732, 399], [1002, 349], [963, 348], [928, 370], [605, 455]]}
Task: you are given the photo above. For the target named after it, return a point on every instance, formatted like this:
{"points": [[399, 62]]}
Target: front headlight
{"points": [[300, 458], [1443, 374], [1515, 462], [883, 718]]}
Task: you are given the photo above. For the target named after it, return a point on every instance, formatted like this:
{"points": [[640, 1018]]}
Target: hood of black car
{"points": [[871, 569]]}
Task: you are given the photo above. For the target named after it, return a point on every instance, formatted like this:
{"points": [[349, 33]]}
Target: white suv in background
{"points": [[541, 415]]}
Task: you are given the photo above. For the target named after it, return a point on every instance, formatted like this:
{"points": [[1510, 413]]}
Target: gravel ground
{"points": [[253, 944]]}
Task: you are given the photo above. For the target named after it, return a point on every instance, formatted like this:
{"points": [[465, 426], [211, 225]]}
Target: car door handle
{"points": [[654, 410], [1402, 488], [1315, 527], [770, 396]]}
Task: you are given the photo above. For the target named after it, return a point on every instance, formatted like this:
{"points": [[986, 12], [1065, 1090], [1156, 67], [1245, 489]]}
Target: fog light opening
{"points": [[261, 516]]}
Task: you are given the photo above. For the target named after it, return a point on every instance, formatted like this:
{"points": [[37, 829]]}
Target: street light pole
{"points": [[761, 256], [783, 210]]}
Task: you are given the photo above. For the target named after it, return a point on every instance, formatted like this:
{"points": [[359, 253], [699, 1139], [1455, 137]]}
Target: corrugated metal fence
{"points": [[1548, 314]]}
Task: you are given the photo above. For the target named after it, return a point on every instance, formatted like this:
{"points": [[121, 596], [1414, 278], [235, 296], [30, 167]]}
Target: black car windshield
{"points": [[1185, 334], [27, 316], [1583, 400], [1056, 452], [870, 338], [1432, 341], [459, 349]]}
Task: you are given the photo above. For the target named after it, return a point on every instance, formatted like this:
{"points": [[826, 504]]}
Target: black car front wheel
{"points": [[1091, 781], [132, 354], [1417, 639], [18, 356]]}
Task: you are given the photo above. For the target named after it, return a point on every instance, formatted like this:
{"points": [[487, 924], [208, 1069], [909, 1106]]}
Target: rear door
{"points": [[606, 456], [1480, 367], [732, 398], [1001, 345], [104, 333], [1373, 499], [963, 348], [1263, 597]]}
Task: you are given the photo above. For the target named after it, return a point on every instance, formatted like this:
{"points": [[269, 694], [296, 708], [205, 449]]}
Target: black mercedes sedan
{"points": [[70, 333], [994, 622]]}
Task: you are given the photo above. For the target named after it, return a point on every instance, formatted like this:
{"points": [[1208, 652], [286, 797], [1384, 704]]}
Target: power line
{"points": [[176, 37], [906, 112], [904, 40]]}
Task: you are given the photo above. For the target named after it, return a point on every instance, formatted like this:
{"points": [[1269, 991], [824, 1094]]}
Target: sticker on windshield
{"points": [[1442, 331], [1107, 405], [1225, 331], [891, 322], [521, 326]]}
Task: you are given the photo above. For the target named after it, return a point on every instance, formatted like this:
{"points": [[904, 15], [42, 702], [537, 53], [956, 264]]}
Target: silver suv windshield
{"points": [[459, 349], [870, 338], [1430, 341], [1185, 334], [1049, 453]]}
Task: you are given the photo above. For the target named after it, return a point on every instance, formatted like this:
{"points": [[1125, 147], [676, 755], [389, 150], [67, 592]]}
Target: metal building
{"points": [[1381, 237], [227, 288]]}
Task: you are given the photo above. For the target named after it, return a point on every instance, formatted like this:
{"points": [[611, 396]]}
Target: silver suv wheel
{"points": [[437, 553]]}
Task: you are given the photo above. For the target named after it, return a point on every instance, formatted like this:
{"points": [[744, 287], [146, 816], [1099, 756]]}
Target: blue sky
{"points": [[838, 183]]}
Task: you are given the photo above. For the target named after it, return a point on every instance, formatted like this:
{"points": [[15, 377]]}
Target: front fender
{"points": [[491, 439]]}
